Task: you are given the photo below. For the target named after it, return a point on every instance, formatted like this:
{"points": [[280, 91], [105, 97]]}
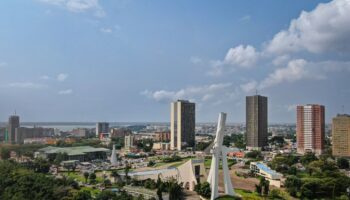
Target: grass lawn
{"points": [[93, 192], [248, 194]]}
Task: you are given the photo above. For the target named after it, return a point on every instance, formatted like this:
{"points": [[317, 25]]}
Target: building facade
{"points": [[163, 136], [101, 127], [129, 142], [13, 124], [310, 128], [256, 122], [182, 125], [341, 135]]}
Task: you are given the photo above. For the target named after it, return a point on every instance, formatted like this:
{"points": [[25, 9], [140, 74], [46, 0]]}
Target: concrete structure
{"points": [[263, 170], [188, 174], [81, 153], [161, 146], [120, 132], [13, 123], [82, 132], [256, 122], [310, 128], [341, 135], [129, 142], [22, 133], [114, 157], [219, 151], [182, 125], [102, 127], [163, 136]]}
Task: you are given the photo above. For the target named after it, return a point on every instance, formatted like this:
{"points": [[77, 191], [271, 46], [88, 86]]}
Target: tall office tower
{"points": [[128, 142], [182, 125], [310, 128], [341, 135], [101, 127], [256, 122], [11, 128]]}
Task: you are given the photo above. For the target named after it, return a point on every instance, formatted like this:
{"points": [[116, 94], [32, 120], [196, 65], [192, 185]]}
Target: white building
{"points": [[263, 170]]}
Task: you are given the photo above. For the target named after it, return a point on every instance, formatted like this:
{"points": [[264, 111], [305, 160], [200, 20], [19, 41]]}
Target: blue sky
{"points": [[126, 60]]}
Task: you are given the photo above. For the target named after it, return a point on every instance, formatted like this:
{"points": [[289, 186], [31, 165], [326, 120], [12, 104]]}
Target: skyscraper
{"points": [[11, 128], [256, 122], [101, 127], [341, 135], [310, 128], [182, 122]]}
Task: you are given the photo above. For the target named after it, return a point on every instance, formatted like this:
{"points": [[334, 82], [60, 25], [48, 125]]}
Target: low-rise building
{"points": [[81, 153], [261, 169], [161, 146]]}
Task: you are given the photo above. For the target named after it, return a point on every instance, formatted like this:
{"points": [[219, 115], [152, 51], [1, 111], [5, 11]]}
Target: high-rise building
{"points": [[182, 125], [341, 135], [101, 127], [310, 128], [11, 128], [129, 142], [256, 122]]}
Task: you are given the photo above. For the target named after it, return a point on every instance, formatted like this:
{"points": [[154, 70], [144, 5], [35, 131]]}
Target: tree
{"points": [[4, 153], [126, 171], [82, 195], [115, 175], [343, 163], [159, 193], [86, 176], [175, 190], [106, 195], [92, 178], [203, 189], [307, 158], [41, 165]]}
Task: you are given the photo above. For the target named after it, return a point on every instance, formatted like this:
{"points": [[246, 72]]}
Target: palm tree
{"points": [[115, 175], [175, 190], [126, 171]]}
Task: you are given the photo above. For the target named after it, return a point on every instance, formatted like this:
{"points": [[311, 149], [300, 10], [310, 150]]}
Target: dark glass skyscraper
{"points": [[256, 122]]}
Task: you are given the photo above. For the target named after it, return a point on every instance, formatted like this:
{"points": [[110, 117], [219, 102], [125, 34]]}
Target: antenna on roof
{"points": [[15, 111], [343, 109], [256, 92]]}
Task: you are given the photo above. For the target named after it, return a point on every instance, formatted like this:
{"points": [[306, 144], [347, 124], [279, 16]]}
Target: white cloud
{"points": [[198, 94], [241, 56], [27, 85], [280, 60], [62, 77], [249, 86], [44, 77], [245, 18], [106, 30], [196, 60], [65, 92], [324, 29], [79, 6], [296, 70], [291, 108]]}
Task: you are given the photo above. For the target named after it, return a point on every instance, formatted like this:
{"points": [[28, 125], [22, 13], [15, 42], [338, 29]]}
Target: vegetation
{"points": [[20, 183], [173, 158], [237, 139], [263, 188], [254, 155], [203, 189], [146, 145]]}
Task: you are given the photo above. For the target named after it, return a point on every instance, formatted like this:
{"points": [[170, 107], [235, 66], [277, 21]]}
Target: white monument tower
{"points": [[219, 152], [113, 157]]}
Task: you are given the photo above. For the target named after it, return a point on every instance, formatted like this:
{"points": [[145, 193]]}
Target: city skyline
{"points": [[126, 61]]}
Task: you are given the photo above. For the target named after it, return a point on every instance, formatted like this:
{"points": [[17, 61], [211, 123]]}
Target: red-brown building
{"points": [[310, 128]]}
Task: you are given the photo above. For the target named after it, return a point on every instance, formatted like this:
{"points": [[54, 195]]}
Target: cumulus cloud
{"points": [[241, 56], [204, 93], [65, 92], [62, 77], [79, 6], [324, 29], [249, 86], [27, 85], [44, 77], [296, 70]]}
